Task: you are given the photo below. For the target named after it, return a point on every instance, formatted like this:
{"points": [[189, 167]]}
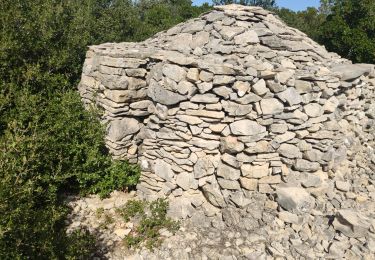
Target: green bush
{"points": [[346, 27], [48, 149], [151, 218], [349, 30], [132, 208], [49, 144]]}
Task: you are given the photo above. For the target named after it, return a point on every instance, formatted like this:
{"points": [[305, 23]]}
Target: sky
{"points": [[295, 5]]}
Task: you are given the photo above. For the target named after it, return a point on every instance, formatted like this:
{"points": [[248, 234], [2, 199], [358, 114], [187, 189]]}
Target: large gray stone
{"points": [[303, 86], [306, 166], [241, 87], [289, 151], [228, 32], [246, 127], [230, 144], [124, 96], [180, 208], [193, 27], [351, 223], [294, 199], [331, 104], [174, 72], [228, 184], [290, 96], [120, 128], [186, 181], [271, 106], [228, 172], [213, 195], [204, 167], [234, 109], [163, 170], [246, 38], [163, 96], [223, 80], [260, 88], [249, 184], [223, 91], [200, 39], [205, 98], [349, 72], [192, 120], [255, 171], [206, 113], [284, 76], [203, 143], [203, 87], [313, 110]]}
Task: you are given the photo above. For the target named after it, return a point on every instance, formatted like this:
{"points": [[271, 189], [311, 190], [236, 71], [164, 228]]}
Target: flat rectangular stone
{"points": [[205, 113]]}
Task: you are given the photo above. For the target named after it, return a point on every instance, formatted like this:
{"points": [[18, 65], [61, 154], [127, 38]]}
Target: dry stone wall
{"points": [[230, 105]]}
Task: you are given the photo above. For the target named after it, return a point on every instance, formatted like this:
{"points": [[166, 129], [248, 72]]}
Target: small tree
{"points": [[350, 29]]}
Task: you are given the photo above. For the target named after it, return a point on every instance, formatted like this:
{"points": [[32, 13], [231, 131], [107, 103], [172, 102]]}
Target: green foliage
{"points": [[346, 27], [268, 4], [307, 21], [79, 245], [163, 15], [99, 212], [152, 218], [50, 145], [132, 208], [350, 30], [48, 148]]}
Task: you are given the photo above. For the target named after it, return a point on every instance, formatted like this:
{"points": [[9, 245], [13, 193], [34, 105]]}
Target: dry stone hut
{"points": [[234, 104]]}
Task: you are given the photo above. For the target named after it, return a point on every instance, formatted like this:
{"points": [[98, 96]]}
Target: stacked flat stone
{"points": [[229, 105]]}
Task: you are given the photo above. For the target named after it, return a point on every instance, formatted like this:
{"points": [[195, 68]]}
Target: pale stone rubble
{"points": [[247, 124]]}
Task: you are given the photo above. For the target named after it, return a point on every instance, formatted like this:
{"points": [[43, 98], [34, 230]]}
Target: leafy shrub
{"points": [[349, 30], [152, 218], [79, 245], [50, 148], [132, 208], [49, 144]]}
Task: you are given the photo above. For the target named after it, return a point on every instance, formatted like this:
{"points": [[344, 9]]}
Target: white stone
{"points": [[120, 128], [351, 223], [247, 37], [260, 88], [313, 110], [192, 120], [246, 127], [255, 171], [241, 87], [174, 72], [290, 96], [271, 106], [206, 76], [289, 151], [122, 232], [230, 144], [205, 98], [186, 181], [228, 172], [331, 104], [294, 199], [163, 170], [249, 184], [193, 74]]}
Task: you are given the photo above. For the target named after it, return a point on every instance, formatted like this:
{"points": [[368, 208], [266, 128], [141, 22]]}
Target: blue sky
{"points": [[295, 5]]}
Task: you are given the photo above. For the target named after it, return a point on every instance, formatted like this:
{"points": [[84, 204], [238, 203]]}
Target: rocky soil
{"points": [[341, 225]]}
